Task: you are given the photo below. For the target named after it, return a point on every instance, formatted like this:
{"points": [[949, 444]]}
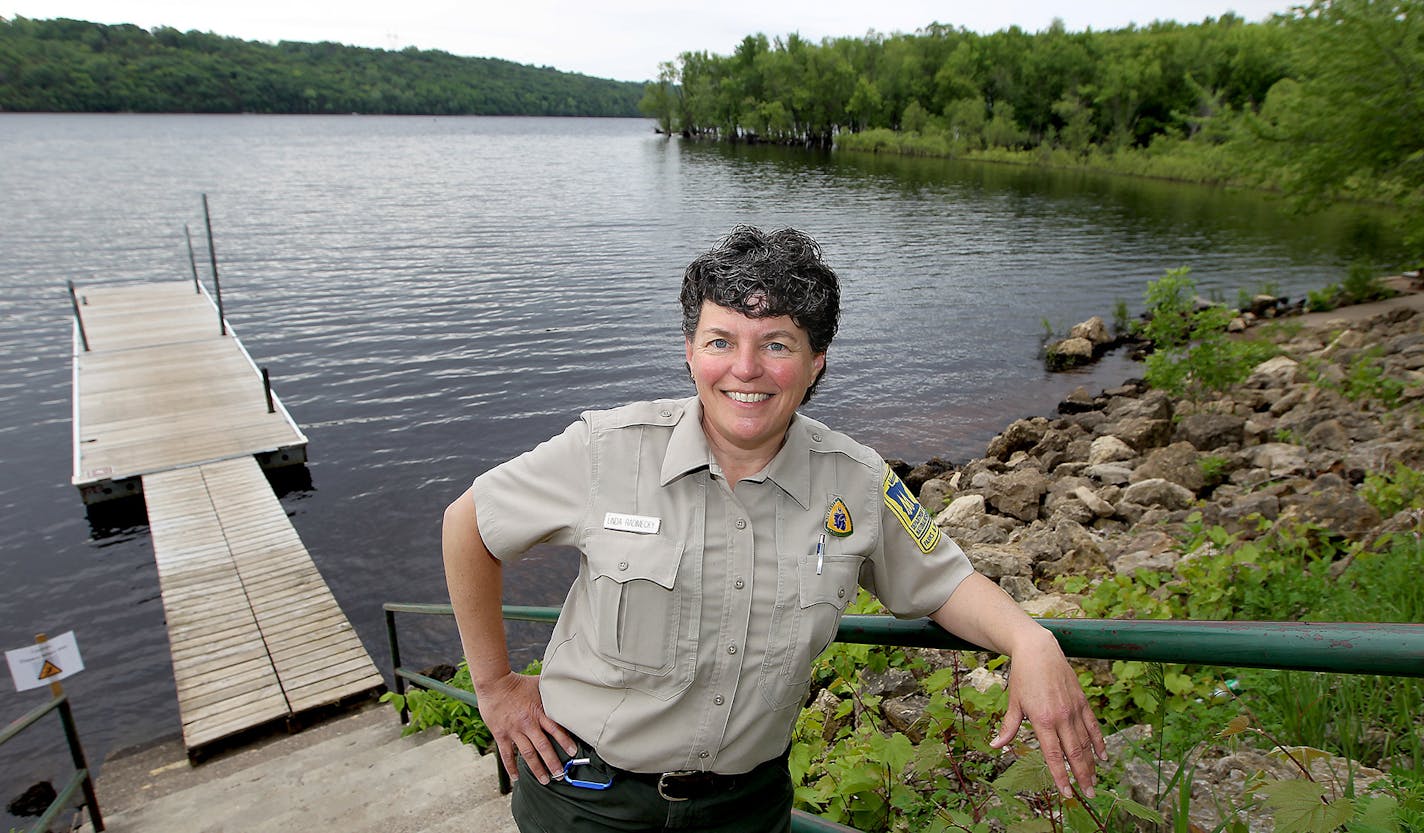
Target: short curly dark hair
{"points": [[764, 275]]}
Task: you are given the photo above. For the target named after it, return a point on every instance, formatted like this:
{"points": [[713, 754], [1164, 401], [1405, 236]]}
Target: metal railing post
{"points": [[505, 788], [74, 299], [76, 753], [213, 259], [267, 390], [192, 261], [396, 663]]}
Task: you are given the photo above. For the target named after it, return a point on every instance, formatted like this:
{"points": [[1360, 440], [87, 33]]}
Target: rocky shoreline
{"points": [[1102, 485], [1109, 484]]}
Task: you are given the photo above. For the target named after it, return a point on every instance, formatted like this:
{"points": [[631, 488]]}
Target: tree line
{"points": [[1322, 102], [76, 66]]}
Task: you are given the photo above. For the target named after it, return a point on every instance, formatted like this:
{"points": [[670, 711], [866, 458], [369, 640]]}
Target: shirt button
{"points": [[719, 699], [665, 412], [702, 754], [731, 649], [840, 594], [816, 437], [741, 523], [622, 565], [739, 584]]}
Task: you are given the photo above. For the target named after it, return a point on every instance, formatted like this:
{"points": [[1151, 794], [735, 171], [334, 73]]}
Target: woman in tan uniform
{"points": [[722, 537]]}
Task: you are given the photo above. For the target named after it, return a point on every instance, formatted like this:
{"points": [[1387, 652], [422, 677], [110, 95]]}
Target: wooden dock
{"points": [[160, 387], [167, 406]]}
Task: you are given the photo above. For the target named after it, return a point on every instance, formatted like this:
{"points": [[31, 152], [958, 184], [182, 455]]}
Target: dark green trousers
{"points": [[760, 802]]}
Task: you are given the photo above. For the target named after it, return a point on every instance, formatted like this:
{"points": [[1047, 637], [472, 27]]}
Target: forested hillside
{"points": [[74, 66], [1323, 102]]}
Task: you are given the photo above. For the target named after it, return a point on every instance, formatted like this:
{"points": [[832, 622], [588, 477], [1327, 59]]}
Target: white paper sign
{"points": [[45, 662]]}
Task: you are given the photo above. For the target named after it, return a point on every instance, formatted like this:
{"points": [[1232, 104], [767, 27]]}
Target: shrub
{"points": [[1192, 356], [1361, 285]]}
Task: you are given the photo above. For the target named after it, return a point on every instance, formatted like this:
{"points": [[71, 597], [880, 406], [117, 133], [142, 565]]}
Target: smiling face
{"points": [[751, 374]]}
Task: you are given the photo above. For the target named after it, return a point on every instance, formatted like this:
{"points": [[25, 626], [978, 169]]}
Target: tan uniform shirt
{"points": [[687, 639]]}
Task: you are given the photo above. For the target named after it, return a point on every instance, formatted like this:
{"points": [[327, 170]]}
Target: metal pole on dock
{"points": [[213, 258], [192, 261], [267, 389], [74, 299]]}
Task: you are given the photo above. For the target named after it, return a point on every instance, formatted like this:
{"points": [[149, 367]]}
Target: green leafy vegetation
{"points": [[75, 66], [1364, 379], [431, 709], [1191, 354], [1361, 285], [1391, 493]]}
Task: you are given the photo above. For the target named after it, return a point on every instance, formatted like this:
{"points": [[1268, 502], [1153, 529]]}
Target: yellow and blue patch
{"points": [[912, 515], [838, 521]]}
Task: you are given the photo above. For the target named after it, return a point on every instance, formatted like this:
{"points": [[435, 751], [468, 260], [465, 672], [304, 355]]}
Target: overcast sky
{"points": [[623, 39]]}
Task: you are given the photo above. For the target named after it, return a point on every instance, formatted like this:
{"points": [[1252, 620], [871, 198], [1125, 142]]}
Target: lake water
{"points": [[433, 296]]}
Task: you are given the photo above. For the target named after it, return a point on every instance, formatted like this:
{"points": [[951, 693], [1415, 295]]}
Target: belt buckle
{"points": [[663, 783]]}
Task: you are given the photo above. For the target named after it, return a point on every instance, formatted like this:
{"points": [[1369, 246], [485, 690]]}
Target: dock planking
{"points": [[256, 635], [168, 406], [161, 387]]}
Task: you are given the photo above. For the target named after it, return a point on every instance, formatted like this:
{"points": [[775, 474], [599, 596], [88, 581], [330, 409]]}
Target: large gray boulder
{"points": [[964, 512], [1276, 372], [1158, 492], [1093, 330], [1278, 458], [1142, 433], [1017, 494], [1109, 449], [998, 560], [1207, 432], [1179, 463]]}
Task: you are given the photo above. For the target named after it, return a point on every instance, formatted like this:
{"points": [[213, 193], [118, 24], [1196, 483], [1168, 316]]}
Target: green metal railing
{"points": [[80, 780], [1393, 650]]}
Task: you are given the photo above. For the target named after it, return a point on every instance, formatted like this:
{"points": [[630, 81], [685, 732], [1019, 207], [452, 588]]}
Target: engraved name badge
{"points": [[641, 524]]}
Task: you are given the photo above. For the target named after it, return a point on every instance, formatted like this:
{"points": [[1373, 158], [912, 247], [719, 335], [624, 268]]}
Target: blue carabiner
{"points": [[588, 785]]}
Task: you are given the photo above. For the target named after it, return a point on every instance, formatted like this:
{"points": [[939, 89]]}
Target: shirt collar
{"points": [[790, 469], [687, 448]]}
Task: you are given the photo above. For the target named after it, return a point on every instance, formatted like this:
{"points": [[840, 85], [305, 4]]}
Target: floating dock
{"points": [[160, 386], [168, 404]]}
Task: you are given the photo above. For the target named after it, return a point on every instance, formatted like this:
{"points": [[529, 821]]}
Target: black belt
{"points": [[682, 785], [689, 783]]}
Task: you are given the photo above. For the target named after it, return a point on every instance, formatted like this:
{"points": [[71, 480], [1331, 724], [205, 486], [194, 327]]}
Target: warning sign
{"points": [[45, 662]]}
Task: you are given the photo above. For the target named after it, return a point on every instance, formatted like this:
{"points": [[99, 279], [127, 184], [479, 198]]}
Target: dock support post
{"points": [[192, 261], [213, 258], [74, 299], [267, 390]]}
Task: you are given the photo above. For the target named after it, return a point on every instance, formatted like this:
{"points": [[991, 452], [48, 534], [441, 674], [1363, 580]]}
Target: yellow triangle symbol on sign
{"points": [[49, 670]]}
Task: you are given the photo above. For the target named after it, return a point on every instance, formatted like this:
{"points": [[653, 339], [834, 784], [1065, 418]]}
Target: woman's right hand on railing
{"points": [[514, 712]]}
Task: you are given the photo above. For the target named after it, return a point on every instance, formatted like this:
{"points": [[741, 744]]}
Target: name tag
{"points": [[641, 524]]}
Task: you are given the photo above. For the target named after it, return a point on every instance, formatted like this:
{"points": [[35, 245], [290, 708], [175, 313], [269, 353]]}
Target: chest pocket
{"points": [[803, 624], [639, 609]]}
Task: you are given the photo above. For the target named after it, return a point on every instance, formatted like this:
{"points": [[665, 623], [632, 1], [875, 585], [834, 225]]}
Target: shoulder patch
{"points": [[914, 517]]}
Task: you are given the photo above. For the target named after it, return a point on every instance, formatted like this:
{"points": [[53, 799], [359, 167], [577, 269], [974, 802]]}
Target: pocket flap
{"points": [[625, 556], [836, 584]]}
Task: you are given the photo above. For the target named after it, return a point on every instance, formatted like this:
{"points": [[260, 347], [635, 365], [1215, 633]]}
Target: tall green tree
{"points": [[1350, 121]]}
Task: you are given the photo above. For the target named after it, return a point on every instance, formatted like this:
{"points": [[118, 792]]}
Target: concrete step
{"points": [[362, 778], [491, 816]]}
